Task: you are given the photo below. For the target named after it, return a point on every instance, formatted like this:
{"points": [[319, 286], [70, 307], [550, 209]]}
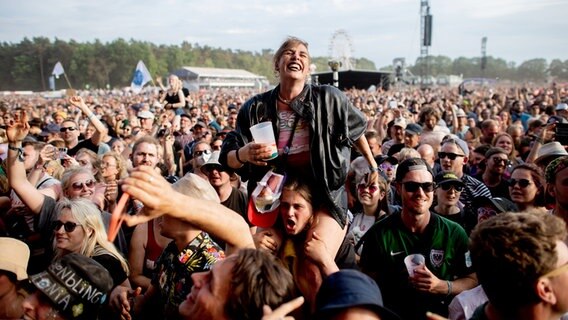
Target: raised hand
{"points": [[18, 128]]}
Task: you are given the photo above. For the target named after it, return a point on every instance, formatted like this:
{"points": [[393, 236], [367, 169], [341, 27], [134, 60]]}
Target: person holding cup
{"points": [[419, 259], [314, 129]]}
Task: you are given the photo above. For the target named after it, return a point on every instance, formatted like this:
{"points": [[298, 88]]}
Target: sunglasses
{"points": [[450, 155], [523, 183], [499, 160], [198, 153], [68, 226], [210, 167], [372, 188], [448, 186], [65, 129], [411, 186], [80, 185], [386, 166]]}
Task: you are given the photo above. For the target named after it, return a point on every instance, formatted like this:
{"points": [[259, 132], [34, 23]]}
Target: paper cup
{"points": [[412, 262], [263, 133]]}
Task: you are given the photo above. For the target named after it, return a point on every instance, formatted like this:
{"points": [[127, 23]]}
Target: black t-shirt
{"points": [[87, 144], [113, 266], [238, 202]]}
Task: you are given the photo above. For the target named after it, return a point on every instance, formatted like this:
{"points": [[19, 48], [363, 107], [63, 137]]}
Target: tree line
{"points": [[28, 64]]}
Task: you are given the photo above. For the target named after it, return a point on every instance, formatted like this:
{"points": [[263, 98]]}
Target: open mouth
{"points": [[294, 67], [290, 224]]}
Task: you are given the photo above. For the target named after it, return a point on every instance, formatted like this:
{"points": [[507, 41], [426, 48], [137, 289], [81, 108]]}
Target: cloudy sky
{"points": [[380, 30]]}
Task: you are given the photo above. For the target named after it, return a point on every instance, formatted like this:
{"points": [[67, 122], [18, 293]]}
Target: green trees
{"points": [[27, 65]]}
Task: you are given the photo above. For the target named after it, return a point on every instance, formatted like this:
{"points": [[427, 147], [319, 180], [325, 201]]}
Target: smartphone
{"points": [[62, 153], [562, 133]]}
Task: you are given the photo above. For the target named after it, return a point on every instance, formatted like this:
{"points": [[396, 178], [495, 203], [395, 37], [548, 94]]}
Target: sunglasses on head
{"points": [[411, 186], [448, 186], [450, 155], [198, 153], [65, 129], [68, 226], [372, 188], [523, 183], [80, 185]]}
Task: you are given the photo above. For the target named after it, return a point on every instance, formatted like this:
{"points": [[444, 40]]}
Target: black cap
{"points": [[410, 165], [500, 204]]}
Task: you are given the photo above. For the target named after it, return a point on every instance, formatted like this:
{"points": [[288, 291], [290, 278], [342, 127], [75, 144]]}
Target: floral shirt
{"points": [[174, 269]]}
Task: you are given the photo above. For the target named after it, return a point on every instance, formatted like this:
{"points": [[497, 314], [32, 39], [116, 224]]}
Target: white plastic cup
{"points": [[263, 133], [413, 261]]}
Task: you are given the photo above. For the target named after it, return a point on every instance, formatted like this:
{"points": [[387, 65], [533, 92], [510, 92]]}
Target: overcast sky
{"points": [[380, 30]]}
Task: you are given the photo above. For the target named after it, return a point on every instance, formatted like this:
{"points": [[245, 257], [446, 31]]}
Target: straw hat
{"points": [[14, 256], [550, 150]]}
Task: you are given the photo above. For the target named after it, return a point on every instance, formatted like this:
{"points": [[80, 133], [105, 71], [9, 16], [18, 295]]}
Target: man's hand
{"points": [[121, 298], [267, 239], [281, 312], [424, 280]]}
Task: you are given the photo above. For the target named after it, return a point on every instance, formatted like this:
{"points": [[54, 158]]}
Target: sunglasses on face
{"points": [[451, 156], [372, 188], [499, 160], [198, 153], [80, 185], [411, 186], [448, 186], [523, 183], [209, 168], [65, 129], [68, 226], [385, 166]]}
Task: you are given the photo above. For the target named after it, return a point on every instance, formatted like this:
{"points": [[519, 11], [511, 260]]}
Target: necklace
{"points": [[284, 101]]}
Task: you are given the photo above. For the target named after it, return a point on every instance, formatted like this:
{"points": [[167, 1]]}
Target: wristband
{"points": [[19, 150], [449, 287], [374, 169], [238, 158], [90, 116], [539, 140]]}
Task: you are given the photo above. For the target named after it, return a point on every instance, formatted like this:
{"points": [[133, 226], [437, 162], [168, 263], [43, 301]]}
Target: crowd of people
{"points": [[406, 203]]}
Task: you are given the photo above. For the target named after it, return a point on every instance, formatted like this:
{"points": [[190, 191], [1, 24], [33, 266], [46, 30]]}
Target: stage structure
{"points": [[195, 78]]}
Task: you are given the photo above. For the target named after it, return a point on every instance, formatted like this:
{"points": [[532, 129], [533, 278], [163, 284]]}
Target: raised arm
{"points": [[158, 196], [17, 129], [101, 131]]}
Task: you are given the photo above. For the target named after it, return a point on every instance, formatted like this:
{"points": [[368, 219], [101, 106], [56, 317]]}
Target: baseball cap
{"points": [[213, 161], [76, 285], [448, 177], [400, 122], [555, 119], [200, 124], [458, 142], [382, 158], [411, 164], [413, 128], [561, 106], [145, 114], [350, 288], [50, 128], [14, 257], [501, 204], [495, 150]]}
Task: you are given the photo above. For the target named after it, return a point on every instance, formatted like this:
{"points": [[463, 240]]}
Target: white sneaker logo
{"points": [[396, 253]]}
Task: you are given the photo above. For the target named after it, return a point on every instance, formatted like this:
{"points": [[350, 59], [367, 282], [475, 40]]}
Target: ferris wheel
{"points": [[341, 49]]}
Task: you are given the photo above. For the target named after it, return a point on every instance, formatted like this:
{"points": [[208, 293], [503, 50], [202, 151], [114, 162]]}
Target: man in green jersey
{"points": [[447, 268]]}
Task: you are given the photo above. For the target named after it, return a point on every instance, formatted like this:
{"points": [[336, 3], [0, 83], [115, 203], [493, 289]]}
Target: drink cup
{"points": [[412, 262], [263, 133]]}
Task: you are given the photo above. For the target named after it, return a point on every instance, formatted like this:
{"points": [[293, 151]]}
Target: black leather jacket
{"points": [[334, 126]]}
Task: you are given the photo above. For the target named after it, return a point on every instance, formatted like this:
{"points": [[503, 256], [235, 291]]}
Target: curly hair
{"points": [[258, 279], [511, 251], [429, 111]]}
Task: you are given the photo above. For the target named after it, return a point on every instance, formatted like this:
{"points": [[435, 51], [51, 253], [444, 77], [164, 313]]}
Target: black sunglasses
{"points": [[65, 129], [79, 185], [498, 160], [450, 155], [448, 186], [523, 183], [68, 226], [412, 186], [210, 167]]}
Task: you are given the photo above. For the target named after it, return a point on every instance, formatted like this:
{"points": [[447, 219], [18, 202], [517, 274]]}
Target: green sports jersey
{"points": [[443, 244]]}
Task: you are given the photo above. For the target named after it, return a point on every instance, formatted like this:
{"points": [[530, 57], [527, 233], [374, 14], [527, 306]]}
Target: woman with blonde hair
{"points": [[79, 228]]}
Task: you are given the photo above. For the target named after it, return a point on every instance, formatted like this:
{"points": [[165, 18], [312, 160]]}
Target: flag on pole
{"points": [[140, 78], [58, 70]]}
